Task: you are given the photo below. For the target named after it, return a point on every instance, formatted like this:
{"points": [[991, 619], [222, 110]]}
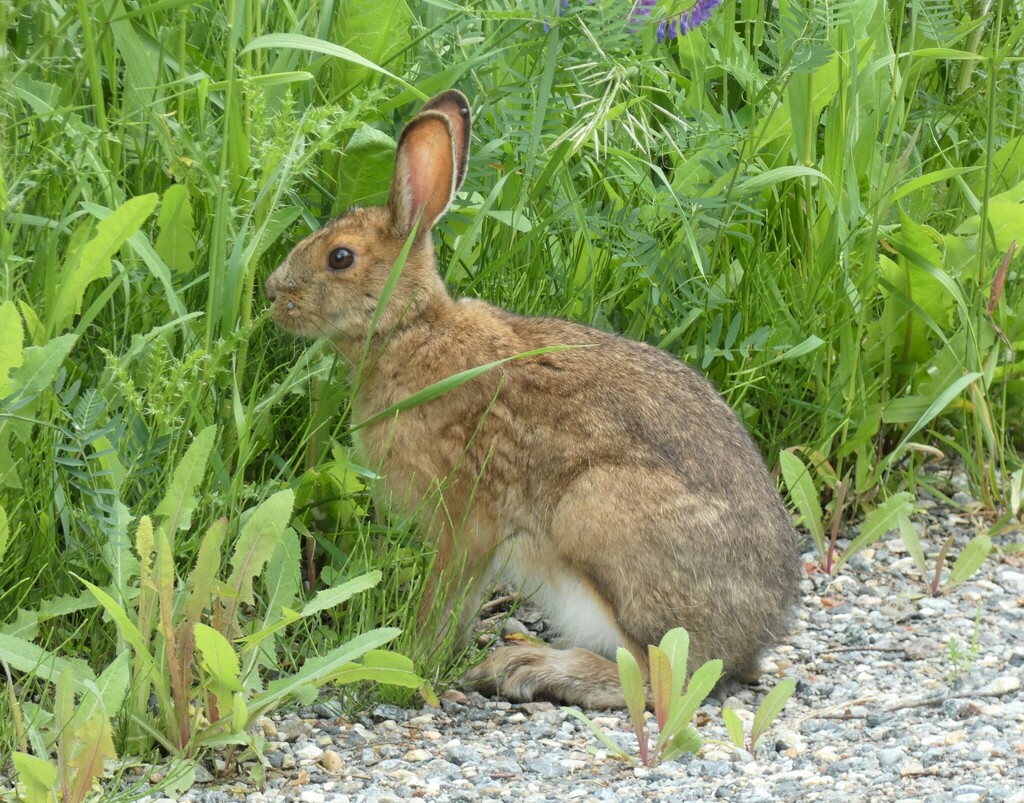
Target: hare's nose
{"points": [[268, 289]]}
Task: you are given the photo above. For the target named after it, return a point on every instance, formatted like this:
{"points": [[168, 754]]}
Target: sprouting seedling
{"points": [[771, 706], [673, 708]]}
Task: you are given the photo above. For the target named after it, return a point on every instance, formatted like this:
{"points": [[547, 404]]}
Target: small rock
{"points": [[329, 709], [385, 712], [460, 754], [513, 627], [454, 696], [309, 752], [311, 796], [203, 775], [1011, 580], [267, 727], [1002, 685], [292, 730], [891, 756], [417, 755], [827, 754], [921, 649], [331, 761]]}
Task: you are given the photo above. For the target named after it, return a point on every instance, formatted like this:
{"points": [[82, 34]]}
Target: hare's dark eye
{"points": [[340, 259]]}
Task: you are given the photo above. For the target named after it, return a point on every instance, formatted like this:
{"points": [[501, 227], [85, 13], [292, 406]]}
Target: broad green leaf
{"points": [[308, 43], [968, 561], [806, 346], [367, 164], [801, 491], [316, 671], [34, 660], [633, 691], [770, 708], [938, 404], [8, 466], [776, 175], [687, 741], [94, 743], [125, 625], [141, 75], [879, 521], [1005, 219], [734, 725], [113, 682], [200, 581], [12, 336], [239, 712], [82, 269], [908, 532], [257, 541], [40, 365], [165, 579], [39, 777], [180, 500], [378, 674], [934, 177], [286, 616], [63, 712], [676, 644], [917, 292], [117, 551], [388, 659], [144, 549], [283, 584], [661, 683], [34, 326], [378, 31], [330, 597], [26, 622], [219, 660], [42, 97], [176, 243], [700, 686]]}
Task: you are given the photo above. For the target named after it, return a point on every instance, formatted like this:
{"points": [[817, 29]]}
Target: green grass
{"points": [[809, 202]]}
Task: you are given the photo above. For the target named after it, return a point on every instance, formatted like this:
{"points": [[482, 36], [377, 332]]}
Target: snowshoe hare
{"points": [[609, 480]]}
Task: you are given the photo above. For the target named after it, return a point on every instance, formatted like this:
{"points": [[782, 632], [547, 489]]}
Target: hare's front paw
{"points": [[572, 677]]}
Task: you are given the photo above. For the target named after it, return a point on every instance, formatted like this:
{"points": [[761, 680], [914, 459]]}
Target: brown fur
{"points": [[611, 478]]}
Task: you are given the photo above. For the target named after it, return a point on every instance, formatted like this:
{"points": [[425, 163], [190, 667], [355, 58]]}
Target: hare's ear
{"points": [[430, 164]]}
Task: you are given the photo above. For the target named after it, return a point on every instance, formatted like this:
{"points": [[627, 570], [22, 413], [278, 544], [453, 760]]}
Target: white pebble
{"points": [[309, 752]]}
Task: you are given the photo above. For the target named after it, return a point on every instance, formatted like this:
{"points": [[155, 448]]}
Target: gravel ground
{"points": [[884, 710]]}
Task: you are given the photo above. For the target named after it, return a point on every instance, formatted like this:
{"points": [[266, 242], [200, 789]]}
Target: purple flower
{"points": [[668, 28], [681, 24]]}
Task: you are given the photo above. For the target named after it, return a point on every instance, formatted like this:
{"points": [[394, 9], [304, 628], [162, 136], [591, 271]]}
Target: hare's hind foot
{"points": [[571, 677]]}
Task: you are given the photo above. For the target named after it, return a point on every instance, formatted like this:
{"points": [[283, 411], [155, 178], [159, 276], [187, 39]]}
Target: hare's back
{"points": [[613, 398]]}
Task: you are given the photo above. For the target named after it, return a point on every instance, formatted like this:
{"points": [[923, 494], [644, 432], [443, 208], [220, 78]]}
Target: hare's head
{"points": [[331, 282]]}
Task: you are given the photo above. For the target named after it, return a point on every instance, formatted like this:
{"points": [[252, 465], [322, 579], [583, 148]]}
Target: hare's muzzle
{"points": [[281, 292]]}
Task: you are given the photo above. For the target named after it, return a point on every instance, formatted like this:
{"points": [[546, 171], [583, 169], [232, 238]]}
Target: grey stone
{"points": [[891, 756]]}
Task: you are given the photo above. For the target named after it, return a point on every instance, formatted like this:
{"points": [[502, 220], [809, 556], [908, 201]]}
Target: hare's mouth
{"points": [[290, 316]]}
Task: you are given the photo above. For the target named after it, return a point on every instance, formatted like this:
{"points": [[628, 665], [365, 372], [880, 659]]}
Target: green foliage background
{"points": [[816, 204]]}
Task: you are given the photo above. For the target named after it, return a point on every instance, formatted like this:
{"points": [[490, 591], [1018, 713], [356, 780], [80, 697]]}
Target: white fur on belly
{"points": [[578, 616], [570, 606]]}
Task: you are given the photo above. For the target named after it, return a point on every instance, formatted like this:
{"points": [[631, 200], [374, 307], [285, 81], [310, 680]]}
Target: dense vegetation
{"points": [[816, 204]]}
